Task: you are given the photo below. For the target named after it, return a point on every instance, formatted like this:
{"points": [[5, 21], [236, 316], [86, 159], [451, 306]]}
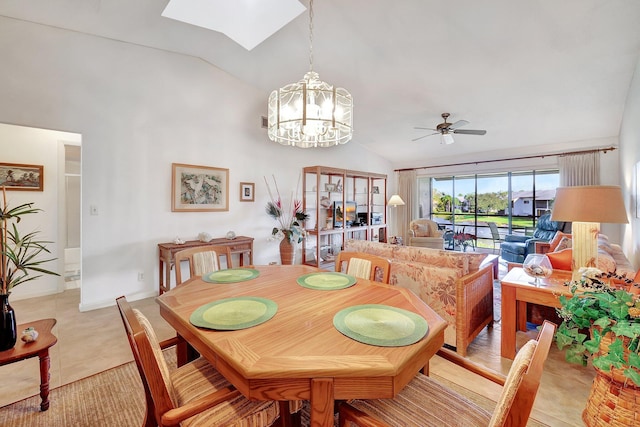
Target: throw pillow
{"points": [[606, 262], [561, 260], [565, 243], [421, 230], [556, 240]]}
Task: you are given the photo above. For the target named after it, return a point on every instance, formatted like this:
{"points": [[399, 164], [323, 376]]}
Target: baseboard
{"points": [[111, 302]]}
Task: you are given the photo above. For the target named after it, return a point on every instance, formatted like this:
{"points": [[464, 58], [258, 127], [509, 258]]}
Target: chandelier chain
{"points": [[310, 35]]}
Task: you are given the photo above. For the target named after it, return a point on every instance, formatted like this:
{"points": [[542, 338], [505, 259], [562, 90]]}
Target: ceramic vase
{"points": [[8, 328], [287, 251]]}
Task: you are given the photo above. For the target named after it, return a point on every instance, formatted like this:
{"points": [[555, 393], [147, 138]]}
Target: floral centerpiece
{"points": [[601, 321], [290, 219]]}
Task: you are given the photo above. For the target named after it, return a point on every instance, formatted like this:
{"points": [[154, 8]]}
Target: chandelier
{"points": [[310, 113]]}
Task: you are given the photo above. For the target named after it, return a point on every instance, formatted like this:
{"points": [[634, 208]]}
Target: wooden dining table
{"points": [[298, 354]]}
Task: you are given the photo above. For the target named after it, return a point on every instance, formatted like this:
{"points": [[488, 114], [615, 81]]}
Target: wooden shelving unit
{"points": [[342, 204]]}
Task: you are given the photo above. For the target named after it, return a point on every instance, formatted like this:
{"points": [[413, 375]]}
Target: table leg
{"points": [[45, 364], [167, 275], [160, 276], [322, 402], [508, 322], [425, 369], [521, 314]]}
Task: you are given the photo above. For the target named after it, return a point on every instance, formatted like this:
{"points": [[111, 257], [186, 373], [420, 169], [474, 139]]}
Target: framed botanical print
{"points": [[199, 188], [246, 191], [16, 176]]}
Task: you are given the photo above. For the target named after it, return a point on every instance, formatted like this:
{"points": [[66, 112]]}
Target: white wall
{"points": [[138, 110], [38, 147], [629, 157]]}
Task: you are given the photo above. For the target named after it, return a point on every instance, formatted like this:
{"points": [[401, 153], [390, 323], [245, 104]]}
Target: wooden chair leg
{"points": [[287, 419]]}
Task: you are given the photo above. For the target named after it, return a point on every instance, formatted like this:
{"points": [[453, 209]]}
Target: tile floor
{"points": [[93, 341]]}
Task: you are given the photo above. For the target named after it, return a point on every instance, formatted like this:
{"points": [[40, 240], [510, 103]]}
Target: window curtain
{"points": [[579, 169], [407, 183]]}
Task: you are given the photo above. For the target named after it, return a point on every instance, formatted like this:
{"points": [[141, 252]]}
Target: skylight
{"points": [[247, 22]]}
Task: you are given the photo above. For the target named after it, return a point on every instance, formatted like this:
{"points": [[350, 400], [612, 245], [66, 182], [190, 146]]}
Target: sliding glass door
{"points": [[467, 204]]}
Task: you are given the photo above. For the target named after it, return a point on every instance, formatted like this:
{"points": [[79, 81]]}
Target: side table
{"points": [[241, 245], [39, 347], [517, 291]]}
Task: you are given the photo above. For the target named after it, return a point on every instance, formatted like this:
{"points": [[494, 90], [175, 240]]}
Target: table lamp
{"points": [[586, 207]]}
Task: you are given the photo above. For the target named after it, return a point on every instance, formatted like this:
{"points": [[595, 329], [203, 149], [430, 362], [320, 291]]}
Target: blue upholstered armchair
{"points": [[515, 248]]}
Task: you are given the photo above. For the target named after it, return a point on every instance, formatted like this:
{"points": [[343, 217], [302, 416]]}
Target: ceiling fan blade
{"points": [[470, 131], [424, 136], [458, 124], [421, 128]]}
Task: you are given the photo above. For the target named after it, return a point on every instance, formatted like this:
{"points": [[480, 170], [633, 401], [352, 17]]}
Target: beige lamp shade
{"points": [[395, 200], [590, 203], [586, 207]]}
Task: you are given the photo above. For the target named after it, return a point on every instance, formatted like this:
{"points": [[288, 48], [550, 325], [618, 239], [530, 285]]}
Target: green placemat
{"points": [[234, 313], [381, 325], [326, 281], [231, 275]]}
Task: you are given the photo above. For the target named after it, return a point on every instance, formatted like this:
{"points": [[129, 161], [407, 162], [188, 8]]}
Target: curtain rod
{"points": [[542, 156]]}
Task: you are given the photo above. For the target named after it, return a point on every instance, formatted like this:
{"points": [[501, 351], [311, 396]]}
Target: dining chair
{"points": [[202, 259], [426, 402], [192, 395], [366, 266]]}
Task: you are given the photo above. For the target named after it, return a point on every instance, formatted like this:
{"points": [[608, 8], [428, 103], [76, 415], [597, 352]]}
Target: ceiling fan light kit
{"points": [[446, 138], [446, 129], [310, 113]]}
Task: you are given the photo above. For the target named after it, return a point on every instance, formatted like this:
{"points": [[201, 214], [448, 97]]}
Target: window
{"points": [[467, 203]]}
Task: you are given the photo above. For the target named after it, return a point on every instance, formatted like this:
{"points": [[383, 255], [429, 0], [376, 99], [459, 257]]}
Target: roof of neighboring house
{"points": [[540, 194]]}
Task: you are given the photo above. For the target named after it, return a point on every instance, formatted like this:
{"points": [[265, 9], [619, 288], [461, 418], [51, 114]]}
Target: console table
{"points": [[39, 347], [241, 245]]}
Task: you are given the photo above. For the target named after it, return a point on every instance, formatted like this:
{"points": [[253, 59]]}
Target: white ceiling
{"points": [[533, 73]]}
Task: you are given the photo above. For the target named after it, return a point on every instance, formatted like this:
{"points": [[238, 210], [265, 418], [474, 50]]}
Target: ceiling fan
{"points": [[446, 130]]}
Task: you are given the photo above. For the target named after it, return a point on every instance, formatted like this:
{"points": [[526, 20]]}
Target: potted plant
{"points": [[601, 323], [19, 258]]}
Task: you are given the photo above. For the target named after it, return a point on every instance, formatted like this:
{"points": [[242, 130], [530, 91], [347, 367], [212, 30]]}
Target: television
{"points": [[348, 212]]}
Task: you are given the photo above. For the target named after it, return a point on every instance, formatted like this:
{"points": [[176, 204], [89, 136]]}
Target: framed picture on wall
{"points": [[246, 191], [199, 188], [16, 176]]}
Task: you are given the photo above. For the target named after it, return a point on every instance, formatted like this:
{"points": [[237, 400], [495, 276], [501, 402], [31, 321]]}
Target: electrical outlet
{"points": [[140, 277]]}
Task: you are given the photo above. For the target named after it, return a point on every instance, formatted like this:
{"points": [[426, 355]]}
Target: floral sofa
{"points": [[452, 283]]}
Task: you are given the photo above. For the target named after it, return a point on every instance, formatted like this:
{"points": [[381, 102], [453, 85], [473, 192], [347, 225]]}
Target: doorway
{"points": [[72, 186]]}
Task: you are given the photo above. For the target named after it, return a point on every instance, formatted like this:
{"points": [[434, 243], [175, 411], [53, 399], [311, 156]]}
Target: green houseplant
{"points": [[20, 256], [601, 322]]}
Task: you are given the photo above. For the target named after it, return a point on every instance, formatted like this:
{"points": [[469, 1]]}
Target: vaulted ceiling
{"points": [[535, 74]]}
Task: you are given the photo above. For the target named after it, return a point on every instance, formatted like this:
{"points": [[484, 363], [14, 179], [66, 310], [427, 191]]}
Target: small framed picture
{"points": [[247, 190], [15, 176], [199, 188]]}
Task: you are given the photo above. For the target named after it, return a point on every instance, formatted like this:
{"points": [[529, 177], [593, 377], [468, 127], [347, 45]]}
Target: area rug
{"points": [[115, 398]]}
